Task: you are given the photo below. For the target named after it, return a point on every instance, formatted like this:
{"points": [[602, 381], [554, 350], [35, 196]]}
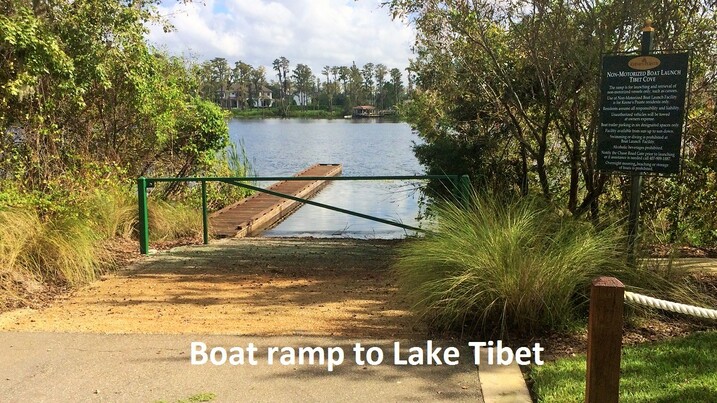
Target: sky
{"points": [[312, 32]]}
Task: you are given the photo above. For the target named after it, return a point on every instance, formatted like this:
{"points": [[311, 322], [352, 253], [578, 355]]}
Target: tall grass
{"points": [[173, 220], [68, 249], [63, 251], [113, 212], [18, 229], [511, 265], [69, 252]]}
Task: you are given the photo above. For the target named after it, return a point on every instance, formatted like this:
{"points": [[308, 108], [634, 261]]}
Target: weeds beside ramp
{"points": [[95, 345]]}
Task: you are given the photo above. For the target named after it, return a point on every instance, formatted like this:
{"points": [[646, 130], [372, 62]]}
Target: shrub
{"points": [[511, 265]]}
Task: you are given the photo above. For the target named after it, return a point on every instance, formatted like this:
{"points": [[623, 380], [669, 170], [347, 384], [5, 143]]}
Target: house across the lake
{"points": [[263, 99], [239, 96]]}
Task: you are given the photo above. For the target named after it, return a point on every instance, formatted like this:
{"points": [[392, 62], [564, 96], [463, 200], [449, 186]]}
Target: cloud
{"points": [[313, 32]]}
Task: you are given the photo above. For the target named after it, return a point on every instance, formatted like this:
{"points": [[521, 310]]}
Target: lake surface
{"points": [[283, 147]]}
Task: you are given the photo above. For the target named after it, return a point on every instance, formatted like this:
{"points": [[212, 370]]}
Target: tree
{"points": [[355, 86], [257, 78], [220, 75], [514, 85], [241, 81], [304, 82], [380, 71], [396, 85], [329, 86], [368, 74], [281, 65], [83, 98]]}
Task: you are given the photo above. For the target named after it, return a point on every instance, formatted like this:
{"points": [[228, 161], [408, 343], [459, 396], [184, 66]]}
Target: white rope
{"points": [[670, 306]]}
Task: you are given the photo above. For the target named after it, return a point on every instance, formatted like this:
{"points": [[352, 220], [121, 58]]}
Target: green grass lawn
{"points": [[680, 370]]}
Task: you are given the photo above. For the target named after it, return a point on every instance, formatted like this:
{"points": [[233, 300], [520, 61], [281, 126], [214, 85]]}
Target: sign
{"points": [[642, 109]]}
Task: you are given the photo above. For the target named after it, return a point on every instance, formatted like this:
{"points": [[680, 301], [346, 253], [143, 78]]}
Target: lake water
{"points": [[283, 147]]}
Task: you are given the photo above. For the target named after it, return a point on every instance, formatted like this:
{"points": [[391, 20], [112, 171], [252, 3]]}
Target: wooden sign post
{"points": [[607, 300]]}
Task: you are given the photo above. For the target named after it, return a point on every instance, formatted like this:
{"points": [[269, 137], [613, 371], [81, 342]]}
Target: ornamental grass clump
{"points": [[173, 220], [62, 251], [507, 265]]}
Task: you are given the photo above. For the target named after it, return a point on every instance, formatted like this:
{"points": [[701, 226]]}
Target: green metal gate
{"points": [[461, 183]]}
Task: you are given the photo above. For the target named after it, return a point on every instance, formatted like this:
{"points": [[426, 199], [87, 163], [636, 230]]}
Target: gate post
{"points": [[143, 216], [205, 218], [607, 300]]}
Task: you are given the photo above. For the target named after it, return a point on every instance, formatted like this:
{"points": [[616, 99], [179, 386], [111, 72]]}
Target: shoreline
{"points": [[256, 114]]}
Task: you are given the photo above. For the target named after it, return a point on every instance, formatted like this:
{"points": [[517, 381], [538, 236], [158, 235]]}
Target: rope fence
{"points": [[670, 306]]}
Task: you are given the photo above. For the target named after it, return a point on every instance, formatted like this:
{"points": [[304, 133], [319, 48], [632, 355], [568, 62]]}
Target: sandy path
{"points": [[252, 286]]}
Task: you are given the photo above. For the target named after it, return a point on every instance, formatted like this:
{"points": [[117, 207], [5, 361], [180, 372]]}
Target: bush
{"points": [[512, 265]]}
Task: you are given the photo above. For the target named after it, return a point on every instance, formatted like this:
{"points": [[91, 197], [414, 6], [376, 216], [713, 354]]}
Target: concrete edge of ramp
{"points": [[502, 383]]}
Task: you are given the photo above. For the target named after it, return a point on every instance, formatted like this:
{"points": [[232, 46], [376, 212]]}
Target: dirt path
{"points": [[254, 286]]}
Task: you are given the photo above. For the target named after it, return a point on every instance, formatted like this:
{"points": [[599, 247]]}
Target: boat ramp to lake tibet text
{"points": [[364, 355]]}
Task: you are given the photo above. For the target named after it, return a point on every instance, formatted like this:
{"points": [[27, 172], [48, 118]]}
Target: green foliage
{"points": [[671, 371], [205, 130], [242, 88], [85, 108], [79, 84], [235, 163], [258, 113], [502, 80], [275, 113], [684, 209], [520, 265]]}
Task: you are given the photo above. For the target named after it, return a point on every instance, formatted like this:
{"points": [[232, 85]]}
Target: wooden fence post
{"points": [[604, 340]]}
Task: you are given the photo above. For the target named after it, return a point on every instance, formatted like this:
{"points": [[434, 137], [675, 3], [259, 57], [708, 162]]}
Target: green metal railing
{"points": [[460, 182]]}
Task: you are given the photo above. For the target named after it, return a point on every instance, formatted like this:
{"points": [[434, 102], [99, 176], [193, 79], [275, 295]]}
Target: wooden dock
{"points": [[260, 211]]}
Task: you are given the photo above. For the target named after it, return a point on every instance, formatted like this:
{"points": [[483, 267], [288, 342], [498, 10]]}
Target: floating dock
{"points": [[261, 210]]}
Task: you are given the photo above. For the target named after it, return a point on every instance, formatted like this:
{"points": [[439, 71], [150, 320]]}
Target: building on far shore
{"points": [[264, 99], [364, 111], [237, 96]]}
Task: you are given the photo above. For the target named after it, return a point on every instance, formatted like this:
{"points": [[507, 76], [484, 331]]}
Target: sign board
{"points": [[642, 109]]}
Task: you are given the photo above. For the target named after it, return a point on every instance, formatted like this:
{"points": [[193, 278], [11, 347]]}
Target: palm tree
{"points": [[281, 65]]}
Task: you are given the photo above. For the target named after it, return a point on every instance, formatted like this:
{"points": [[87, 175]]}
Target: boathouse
{"points": [[364, 111]]}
